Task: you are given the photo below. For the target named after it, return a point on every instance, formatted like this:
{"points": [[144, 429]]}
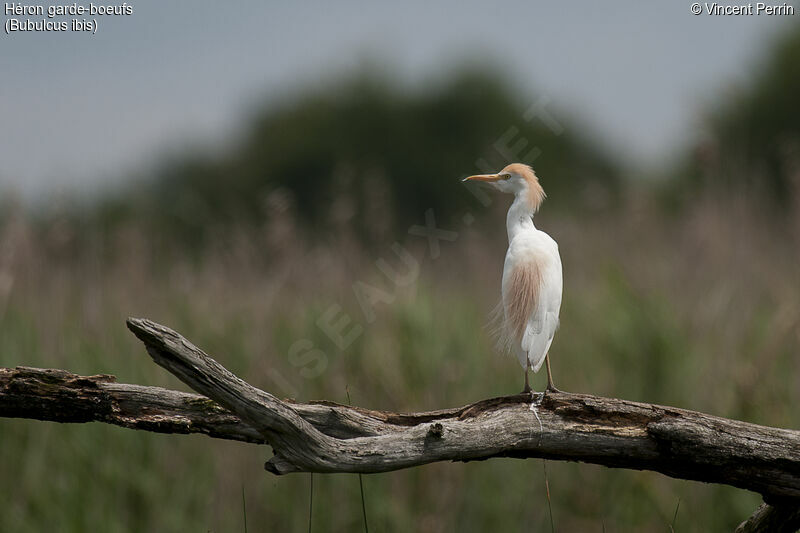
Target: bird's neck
{"points": [[520, 218]]}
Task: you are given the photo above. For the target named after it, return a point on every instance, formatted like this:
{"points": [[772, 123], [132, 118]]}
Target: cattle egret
{"points": [[532, 280]]}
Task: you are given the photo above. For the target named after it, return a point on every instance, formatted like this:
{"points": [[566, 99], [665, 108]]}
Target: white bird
{"points": [[532, 279]]}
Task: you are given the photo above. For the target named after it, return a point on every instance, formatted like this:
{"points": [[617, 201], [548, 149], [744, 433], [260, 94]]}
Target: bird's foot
{"points": [[552, 388], [536, 397]]}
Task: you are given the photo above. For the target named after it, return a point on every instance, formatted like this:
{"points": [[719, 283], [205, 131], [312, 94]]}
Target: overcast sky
{"points": [[83, 110]]}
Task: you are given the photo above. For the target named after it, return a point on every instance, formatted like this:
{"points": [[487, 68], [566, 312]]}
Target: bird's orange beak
{"points": [[483, 177]]}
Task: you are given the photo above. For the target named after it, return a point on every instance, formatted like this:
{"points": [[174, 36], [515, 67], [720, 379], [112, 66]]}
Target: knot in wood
{"points": [[436, 430]]}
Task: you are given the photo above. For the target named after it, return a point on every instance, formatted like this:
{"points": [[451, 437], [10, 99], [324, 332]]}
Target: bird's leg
{"points": [[527, 388], [550, 386]]}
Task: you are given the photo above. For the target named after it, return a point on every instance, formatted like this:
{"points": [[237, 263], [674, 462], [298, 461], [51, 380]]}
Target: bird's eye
{"points": [[507, 176]]}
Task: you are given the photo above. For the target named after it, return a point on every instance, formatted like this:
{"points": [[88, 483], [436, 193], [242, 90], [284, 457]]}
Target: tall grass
{"points": [[699, 310]]}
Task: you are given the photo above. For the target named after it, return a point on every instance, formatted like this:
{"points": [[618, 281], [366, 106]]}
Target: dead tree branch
{"points": [[61, 396], [328, 437], [768, 518]]}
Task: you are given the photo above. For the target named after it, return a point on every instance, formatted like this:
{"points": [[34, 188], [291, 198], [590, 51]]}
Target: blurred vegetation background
{"points": [[682, 290]]}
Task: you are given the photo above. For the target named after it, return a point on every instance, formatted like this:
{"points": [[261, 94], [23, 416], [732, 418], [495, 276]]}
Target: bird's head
{"points": [[517, 179]]}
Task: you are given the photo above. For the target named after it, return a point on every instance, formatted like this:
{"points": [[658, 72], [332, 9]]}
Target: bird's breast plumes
{"points": [[522, 297]]}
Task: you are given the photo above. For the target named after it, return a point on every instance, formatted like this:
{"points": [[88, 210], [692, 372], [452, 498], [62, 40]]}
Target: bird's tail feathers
{"points": [[538, 347], [536, 365]]}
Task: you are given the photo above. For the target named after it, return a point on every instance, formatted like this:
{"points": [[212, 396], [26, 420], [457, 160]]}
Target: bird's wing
{"points": [[543, 320]]}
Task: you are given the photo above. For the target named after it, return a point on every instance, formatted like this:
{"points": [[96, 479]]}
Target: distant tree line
{"points": [[372, 155]]}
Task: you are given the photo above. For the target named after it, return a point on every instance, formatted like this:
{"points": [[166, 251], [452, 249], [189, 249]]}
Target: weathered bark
{"points": [[328, 437], [61, 396], [56, 395]]}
